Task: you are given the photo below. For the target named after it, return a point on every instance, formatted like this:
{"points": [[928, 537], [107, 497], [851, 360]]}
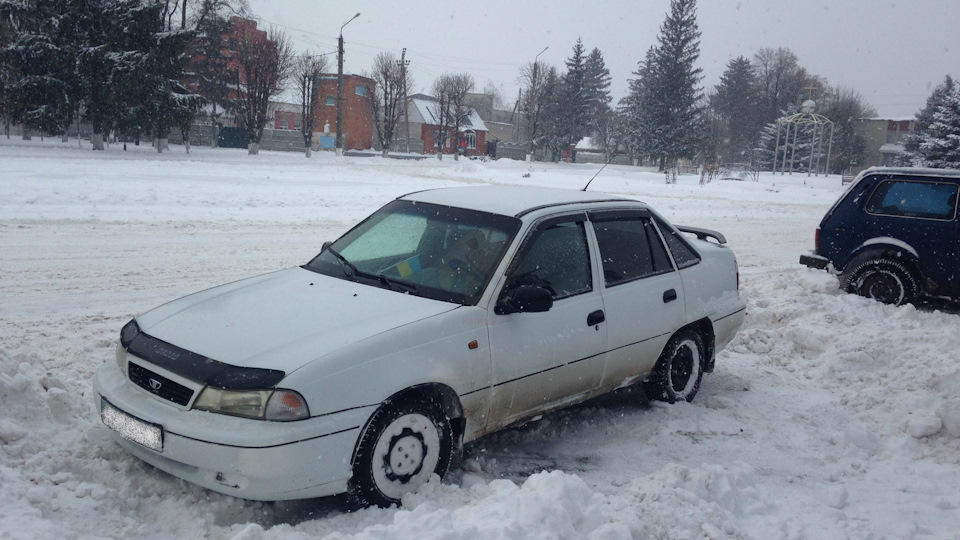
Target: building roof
{"points": [[425, 109]]}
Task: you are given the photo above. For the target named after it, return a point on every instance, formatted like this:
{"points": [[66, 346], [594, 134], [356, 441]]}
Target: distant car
{"points": [[444, 316], [893, 235]]}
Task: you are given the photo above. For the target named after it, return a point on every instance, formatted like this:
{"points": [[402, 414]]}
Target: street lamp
{"points": [[533, 99], [340, 87]]}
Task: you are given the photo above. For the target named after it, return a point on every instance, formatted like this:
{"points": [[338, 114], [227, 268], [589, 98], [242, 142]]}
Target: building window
{"points": [[361, 90], [283, 121], [331, 101], [471, 138]]}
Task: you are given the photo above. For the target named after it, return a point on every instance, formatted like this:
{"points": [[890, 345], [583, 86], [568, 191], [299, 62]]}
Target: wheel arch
{"points": [[444, 396], [704, 327], [903, 254]]}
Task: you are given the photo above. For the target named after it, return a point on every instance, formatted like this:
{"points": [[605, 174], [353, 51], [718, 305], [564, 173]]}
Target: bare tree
{"points": [[264, 61], [387, 99], [451, 107], [306, 72]]}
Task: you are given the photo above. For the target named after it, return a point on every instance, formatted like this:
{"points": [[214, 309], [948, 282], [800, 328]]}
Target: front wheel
{"points": [[886, 280], [402, 446], [678, 372]]}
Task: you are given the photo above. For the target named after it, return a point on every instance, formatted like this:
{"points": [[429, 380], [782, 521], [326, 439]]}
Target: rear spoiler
{"points": [[703, 234]]}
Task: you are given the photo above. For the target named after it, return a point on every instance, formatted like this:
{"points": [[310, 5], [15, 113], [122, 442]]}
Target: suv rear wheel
{"points": [[883, 279]]}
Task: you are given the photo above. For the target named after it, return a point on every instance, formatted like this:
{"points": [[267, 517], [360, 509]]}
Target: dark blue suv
{"points": [[894, 235]]}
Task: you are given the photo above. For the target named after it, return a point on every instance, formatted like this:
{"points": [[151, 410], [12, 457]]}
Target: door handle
{"points": [[669, 295], [596, 318]]}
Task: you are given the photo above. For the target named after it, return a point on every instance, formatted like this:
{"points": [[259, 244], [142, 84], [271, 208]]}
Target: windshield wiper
{"points": [[347, 265], [387, 283], [395, 283]]}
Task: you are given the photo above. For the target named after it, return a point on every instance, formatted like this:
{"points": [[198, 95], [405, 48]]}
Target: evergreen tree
{"points": [[596, 80], [573, 117], [209, 63], [674, 100], [596, 86], [37, 64], [148, 94], [938, 145], [551, 131], [925, 118], [735, 104], [636, 120]]}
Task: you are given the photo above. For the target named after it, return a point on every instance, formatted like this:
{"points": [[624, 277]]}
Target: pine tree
{"points": [[939, 144], [925, 118], [574, 114], [596, 86], [736, 104], [148, 95], [673, 101], [208, 62], [40, 84], [636, 121]]}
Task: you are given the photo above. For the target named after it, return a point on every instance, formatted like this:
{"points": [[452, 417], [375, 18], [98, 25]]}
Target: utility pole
{"points": [[403, 62], [339, 142]]}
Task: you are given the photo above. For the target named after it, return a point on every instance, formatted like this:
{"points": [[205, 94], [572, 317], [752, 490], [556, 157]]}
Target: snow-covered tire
{"points": [[886, 280], [401, 447], [679, 370]]}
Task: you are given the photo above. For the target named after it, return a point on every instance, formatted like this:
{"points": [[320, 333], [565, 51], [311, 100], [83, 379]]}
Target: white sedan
{"points": [[444, 316]]}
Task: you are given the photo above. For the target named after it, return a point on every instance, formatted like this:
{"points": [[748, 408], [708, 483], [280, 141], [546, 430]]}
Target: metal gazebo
{"points": [[792, 124]]}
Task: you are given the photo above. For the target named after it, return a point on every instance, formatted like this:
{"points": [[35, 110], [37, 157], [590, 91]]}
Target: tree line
{"points": [[138, 67]]}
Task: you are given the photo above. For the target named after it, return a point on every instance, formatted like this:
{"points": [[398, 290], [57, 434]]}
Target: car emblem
{"points": [[155, 384]]}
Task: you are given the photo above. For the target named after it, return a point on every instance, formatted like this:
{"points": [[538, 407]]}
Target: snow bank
{"points": [[829, 416]]}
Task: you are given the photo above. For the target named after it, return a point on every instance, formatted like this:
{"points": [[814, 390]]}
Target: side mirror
{"points": [[525, 299], [325, 245]]}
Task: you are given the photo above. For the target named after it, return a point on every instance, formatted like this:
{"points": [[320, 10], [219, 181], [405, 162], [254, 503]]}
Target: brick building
{"points": [[422, 113], [357, 112]]}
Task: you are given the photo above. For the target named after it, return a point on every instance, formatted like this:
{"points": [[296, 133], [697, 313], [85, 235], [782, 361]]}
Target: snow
{"points": [[828, 416]]}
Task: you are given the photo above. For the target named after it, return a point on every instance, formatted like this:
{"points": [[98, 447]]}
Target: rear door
{"points": [[642, 293]]}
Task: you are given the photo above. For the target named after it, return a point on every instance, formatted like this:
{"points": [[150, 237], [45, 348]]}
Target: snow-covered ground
{"points": [[829, 416]]}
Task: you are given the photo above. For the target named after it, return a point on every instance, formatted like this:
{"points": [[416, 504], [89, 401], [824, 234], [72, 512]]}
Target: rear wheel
{"points": [[402, 446], [678, 372], [886, 280]]}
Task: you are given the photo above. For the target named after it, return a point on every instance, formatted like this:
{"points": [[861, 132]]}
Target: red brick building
{"points": [[357, 111], [422, 113]]}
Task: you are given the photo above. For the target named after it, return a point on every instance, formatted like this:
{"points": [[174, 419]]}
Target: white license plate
{"points": [[132, 428]]}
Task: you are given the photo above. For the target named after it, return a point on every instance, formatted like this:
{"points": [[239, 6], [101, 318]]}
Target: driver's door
{"points": [[541, 359]]}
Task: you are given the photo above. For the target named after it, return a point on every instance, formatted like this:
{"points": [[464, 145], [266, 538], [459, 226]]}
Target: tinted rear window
{"points": [[907, 198]]}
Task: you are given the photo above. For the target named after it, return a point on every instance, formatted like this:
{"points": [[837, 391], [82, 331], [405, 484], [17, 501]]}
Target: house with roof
{"points": [[883, 138], [423, 122]]}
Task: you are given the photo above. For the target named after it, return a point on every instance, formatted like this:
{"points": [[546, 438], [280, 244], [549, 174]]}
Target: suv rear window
{"points": [[929, 200]]}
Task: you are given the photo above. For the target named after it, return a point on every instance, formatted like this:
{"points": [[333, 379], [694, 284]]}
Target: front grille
{"points": [[159, 385]]}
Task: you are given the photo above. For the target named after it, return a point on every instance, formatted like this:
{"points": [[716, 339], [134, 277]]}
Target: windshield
{"points": [[438, 252]]}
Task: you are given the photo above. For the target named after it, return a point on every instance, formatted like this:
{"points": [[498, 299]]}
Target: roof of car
{"points": [[913, 171], [509, 200]]}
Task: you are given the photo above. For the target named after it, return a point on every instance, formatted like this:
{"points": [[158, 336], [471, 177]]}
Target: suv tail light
{"points": [[816, 241]]}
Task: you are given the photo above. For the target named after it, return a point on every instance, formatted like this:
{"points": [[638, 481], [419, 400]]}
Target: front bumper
{"points": [[251, 459], [814, 261]]}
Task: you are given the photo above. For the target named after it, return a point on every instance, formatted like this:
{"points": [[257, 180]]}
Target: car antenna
{"points": [[598, 172]]}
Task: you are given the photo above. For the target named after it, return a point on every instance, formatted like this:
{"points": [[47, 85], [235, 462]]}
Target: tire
{"points": [[402, 446], [679, 370], [886, 280]]}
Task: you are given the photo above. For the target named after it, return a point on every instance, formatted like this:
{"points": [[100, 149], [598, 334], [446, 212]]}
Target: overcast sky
{"points": [[893, 52]]}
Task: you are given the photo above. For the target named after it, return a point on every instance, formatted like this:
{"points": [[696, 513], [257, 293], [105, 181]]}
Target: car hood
{"points": [[284, 319]]}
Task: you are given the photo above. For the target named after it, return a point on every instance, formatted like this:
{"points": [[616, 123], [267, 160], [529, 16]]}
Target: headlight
{"points": [[275, 405], [122, 359]]}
